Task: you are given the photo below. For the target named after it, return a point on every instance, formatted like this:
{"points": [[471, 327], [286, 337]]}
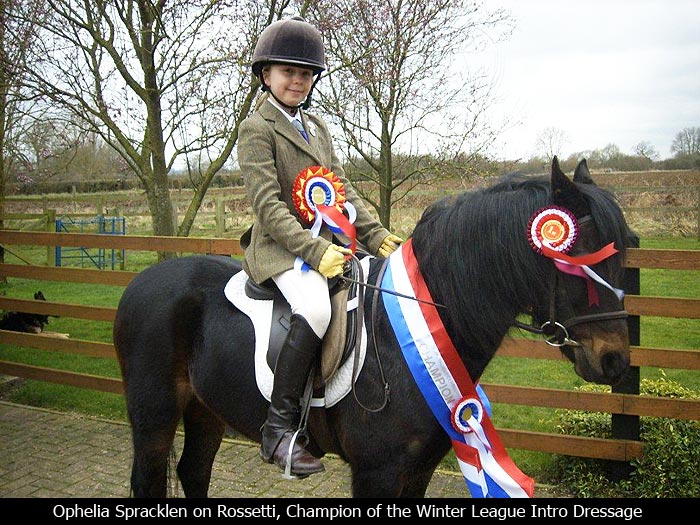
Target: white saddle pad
{"points": [[260, 313]]}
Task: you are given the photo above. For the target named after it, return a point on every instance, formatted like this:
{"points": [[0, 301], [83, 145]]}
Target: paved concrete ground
{"points": [[44, 453]]}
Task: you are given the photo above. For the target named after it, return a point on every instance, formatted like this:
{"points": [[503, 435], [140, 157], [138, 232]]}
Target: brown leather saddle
{"points": [[341, 336]]}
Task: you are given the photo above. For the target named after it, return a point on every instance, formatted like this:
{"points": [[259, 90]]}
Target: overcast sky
{"points": [[603, 71]]}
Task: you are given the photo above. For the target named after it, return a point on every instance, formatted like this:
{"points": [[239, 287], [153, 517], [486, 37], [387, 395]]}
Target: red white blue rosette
{"points": [[467, 415], [316, 186], [465, 412], [319, 198], [554, 227]]}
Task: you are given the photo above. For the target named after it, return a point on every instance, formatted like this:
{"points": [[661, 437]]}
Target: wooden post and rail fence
{"points": [[219, 199], [623, 402]]}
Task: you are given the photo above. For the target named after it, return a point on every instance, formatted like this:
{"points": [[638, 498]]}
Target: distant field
{"points": [[656, 203]]}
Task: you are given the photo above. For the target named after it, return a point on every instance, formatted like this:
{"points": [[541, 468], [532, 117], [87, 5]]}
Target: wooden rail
{"points": [[621, 404]]}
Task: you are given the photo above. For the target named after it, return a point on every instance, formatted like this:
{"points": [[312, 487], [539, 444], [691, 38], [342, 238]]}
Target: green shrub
{"points": [[669, 468]]}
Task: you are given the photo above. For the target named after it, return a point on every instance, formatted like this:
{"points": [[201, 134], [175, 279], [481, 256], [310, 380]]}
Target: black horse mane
{"points": [[474, 254]]}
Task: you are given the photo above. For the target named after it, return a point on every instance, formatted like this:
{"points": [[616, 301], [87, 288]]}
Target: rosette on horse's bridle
{"points": [[552, 232], [319, 198]]}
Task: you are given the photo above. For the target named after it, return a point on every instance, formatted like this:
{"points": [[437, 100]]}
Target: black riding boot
{"points": [[291, 374]]}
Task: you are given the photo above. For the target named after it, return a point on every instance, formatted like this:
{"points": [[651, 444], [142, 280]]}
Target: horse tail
{"points": [[173, 486], [186, 319]]}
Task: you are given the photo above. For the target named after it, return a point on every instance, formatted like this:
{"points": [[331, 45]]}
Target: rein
{"points": [[360, 320], [380, 289], [360, 282], [554, 333]]}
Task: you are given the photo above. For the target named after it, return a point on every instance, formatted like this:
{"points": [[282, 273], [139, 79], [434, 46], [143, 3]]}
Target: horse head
{"points": [[584, 315]]}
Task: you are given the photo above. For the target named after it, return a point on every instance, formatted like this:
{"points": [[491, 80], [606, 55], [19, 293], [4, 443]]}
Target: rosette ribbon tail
{"points": [[578, 266], [339, 223], [319, 198]]}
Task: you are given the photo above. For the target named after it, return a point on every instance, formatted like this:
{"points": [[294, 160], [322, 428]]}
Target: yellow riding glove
{"points": [[333, 261], [389, 245]]}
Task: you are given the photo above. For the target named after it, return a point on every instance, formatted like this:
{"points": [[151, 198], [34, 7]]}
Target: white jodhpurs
{"points": [[307, 294]]}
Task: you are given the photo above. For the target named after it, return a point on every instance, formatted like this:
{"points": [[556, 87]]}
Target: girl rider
{"points": [[272, 150]]}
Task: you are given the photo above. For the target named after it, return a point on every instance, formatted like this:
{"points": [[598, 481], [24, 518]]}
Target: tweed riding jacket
{"points": [[271, 153]]}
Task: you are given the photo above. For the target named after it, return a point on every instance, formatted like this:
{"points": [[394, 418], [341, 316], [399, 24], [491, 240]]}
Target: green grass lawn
{"points": [[656, 332]]}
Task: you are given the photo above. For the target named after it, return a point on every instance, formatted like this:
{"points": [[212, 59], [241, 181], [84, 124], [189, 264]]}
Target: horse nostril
{"points": [[614, 365]]}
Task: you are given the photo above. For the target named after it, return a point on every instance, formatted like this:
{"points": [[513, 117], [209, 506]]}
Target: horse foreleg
{"points": [[376, 483], [203, 434], [416, 485]]}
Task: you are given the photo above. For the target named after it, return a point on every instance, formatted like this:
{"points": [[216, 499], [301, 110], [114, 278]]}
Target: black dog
{"points": [[24, 322]]}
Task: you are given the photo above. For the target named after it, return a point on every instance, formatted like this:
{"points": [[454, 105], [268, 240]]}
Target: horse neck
{"points": [[477, 314], [484, 285]]}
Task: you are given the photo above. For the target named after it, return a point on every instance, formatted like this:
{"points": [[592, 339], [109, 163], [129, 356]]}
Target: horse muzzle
{"points": [[600, 359]]}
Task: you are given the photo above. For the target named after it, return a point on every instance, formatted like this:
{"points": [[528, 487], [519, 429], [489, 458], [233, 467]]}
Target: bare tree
{"points": [[16, 39], [687, 142], [163, 83], [550, 142], [646, 149], [400, 90], [46, 148]]}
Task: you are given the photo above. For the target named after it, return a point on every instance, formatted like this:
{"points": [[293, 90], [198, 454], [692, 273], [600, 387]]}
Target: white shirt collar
{"points": [[297, 115]]}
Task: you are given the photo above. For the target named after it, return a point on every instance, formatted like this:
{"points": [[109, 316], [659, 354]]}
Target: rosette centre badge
{"points": [[317, 186], [554, 227]]}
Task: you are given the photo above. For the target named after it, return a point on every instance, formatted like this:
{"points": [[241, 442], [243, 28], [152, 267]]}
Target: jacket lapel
{"points": [[285, 128]]}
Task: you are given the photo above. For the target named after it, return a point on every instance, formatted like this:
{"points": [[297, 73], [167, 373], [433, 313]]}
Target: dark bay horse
{"points": [[186, 353]]}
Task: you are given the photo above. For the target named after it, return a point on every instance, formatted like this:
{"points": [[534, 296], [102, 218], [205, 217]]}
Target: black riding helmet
{"points": [[293, 41]]}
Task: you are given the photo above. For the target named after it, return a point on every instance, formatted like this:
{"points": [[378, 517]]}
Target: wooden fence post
{"points": [[697, 231], [50, 215], [627, 426], [220, 216]]}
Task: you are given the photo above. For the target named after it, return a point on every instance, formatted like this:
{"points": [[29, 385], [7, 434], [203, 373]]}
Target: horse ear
{"points": [[565, 193], [581, 174]]}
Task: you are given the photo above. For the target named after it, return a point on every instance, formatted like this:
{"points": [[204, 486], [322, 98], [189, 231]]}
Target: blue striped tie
{"points": [[300, 128]]}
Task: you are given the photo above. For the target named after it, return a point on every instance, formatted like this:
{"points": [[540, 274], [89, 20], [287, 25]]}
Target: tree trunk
{"points": [[385, 178], [214, 167], [3, 172], [159, 199]]}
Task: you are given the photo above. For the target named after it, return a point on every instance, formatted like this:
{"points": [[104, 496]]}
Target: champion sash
{"points": [[446, 385]]}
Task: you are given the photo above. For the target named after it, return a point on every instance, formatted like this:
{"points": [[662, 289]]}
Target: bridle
{"points": [[556, 333]]}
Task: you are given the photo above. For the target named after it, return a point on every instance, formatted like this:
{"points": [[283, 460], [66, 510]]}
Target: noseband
{"points": [[556, 333]]}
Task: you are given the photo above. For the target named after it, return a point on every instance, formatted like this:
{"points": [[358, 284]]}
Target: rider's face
{"points": [[290, 84]]}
